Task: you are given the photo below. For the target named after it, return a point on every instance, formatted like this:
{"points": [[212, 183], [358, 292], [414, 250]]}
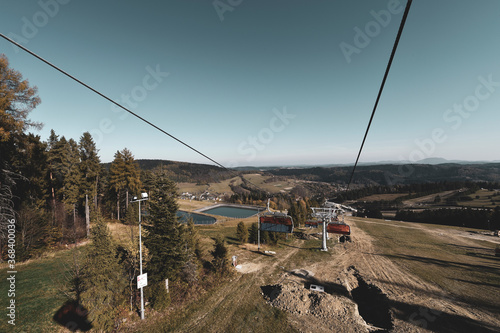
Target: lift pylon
{"points": [[327, 215]]}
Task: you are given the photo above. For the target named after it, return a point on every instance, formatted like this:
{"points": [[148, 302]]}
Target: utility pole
{"points": [[144, 196]]}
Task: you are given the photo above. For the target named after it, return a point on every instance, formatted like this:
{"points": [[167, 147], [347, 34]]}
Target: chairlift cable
{"points": [[396, 42], [124, 108]]}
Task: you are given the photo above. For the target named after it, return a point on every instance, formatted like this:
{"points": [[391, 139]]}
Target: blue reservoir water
{"points": [[197, 218], [230, 211]]}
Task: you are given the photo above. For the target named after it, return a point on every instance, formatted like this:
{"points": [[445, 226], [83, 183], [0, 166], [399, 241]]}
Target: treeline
{"points": [[59, 184], [251, 235], [187, 172], [392, 174], [53, 191], [415, 190], [464, 217], [299, 208]]}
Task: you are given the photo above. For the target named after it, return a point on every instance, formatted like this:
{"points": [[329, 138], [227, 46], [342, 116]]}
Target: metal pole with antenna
{"points": [[144, 196]]}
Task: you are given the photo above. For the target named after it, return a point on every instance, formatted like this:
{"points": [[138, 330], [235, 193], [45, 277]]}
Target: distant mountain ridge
{"points": [[435, 170], [391, 174], [430, 161]]}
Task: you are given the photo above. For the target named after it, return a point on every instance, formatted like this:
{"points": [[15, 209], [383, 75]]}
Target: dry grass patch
{"points": [[466, 268]]}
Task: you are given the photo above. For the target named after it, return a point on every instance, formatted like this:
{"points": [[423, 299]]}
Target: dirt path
{"points": [[225, 301], [365, 291], [411, 304]]}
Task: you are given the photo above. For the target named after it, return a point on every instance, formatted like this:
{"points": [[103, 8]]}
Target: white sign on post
{"points": [[142, 280]]}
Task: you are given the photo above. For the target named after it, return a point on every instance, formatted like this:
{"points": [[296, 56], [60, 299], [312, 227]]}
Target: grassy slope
{"points": [[237, 305], [483, 200], [223, 186], [469, 271], [39, 293]]}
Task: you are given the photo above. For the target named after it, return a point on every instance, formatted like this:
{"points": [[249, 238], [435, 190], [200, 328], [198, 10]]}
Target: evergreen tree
{"points": [[124, 177], [220, 262], [242, 232], [31, 163], [90, 169], [192, 240], [116, 178], [132, 174], [265, 238], [102, 281], [253, 233], [31, 226], [57, 165], [72, 177], [52, 165], [165, 236], [189, 272]]}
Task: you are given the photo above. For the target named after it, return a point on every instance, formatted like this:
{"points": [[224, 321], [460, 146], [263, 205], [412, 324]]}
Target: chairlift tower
{"points": [[326, 215]]}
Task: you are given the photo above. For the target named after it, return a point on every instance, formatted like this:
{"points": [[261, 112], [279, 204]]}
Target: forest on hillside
{"points": [[391, 174], [57, 192], [54, 188]]}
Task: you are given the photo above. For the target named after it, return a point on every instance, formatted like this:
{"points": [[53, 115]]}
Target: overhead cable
{"points": [[126, 109], [401, 26], [110, 100]]}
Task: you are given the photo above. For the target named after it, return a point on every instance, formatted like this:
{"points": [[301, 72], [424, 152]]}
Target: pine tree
{"points": [[220, 263], [265, 238], [192, 240], [90, 169], [124, 176], [242, 232], [72, 177], [31, 163], [51, 160], [253, 233], [132, 174], [116, 178], [165, 236], [103, 283], [189, 272], [57, 165]]}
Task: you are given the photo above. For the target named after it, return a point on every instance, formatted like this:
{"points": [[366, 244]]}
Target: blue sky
{"points": [[266, 82]]}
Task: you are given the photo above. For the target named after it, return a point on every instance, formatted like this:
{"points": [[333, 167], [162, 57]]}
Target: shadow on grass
{"points": [[477, 302], [262, 253], [73, 316], [471, 247], [479, 283], [438, 321], [446, 263], [232, 240]]}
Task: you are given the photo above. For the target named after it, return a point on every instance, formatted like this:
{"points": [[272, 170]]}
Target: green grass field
{"points": [[40, 291], [466, 269], [483, 198], [382, 197], [224, 186]]}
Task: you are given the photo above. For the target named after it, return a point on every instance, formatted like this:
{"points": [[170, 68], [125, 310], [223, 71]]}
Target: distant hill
{"points": [[430, 160], [377, 174], [185, 171], [188, 172], [390, 174]]}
